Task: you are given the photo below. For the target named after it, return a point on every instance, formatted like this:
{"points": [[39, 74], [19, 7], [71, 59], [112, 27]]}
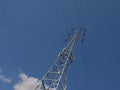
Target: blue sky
{"points": [[32, 32]]}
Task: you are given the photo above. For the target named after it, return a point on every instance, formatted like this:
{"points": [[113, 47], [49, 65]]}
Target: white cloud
{"points": [[25, 83], [4, 79]]}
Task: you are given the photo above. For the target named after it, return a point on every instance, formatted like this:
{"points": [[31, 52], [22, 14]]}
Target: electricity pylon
{"points": [[56, 77]]}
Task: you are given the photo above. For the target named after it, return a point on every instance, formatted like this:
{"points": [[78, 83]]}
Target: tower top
{"points": [[56, 77]]}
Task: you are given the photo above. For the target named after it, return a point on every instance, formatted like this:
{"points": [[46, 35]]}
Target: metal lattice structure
{"points": [[56, 77]]}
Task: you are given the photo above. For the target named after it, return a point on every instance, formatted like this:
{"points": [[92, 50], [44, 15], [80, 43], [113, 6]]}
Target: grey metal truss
{"points": [[56, 77]]}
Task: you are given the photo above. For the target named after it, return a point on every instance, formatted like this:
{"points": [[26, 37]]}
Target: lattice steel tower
{"points": [[56, 77]]}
